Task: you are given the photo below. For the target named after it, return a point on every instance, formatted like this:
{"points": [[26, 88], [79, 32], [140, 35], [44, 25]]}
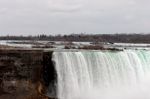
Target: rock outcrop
{"points": [[21, 74]]}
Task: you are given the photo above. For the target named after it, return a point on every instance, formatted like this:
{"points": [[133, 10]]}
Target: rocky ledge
{"points": [[23, 74]]}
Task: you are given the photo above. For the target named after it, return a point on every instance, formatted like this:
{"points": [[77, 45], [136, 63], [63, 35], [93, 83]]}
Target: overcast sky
{"points": [[30, 17]]}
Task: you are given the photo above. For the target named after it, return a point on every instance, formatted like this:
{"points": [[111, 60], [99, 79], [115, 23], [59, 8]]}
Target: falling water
{"points": [[103, 74]]}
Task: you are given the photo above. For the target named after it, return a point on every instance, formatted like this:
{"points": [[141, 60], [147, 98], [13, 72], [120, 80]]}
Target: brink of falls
{"points": [[103, 74]]}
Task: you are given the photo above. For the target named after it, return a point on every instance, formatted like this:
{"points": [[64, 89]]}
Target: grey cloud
{"points": [[66, 16]]}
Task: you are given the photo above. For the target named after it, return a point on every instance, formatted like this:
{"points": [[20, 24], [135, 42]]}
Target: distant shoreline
{"points": [[111, 38]]}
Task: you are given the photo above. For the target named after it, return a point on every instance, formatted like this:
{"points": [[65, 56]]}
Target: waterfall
{"points": [[103, 74]]}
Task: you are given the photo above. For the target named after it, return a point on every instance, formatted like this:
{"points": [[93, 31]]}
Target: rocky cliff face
{"points": [[21, 74]]}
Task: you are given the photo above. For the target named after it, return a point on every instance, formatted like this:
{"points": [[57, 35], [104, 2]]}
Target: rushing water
{"points": [[103, 74]]}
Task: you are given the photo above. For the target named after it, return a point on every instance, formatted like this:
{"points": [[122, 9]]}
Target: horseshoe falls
{"points": [[103, 74]]}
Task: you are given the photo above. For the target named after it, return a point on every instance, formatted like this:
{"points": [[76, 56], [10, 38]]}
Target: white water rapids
{"points": [[103, 74]]}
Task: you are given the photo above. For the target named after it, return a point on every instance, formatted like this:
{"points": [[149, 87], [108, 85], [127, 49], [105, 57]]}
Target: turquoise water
{"points": [[103, 74]]}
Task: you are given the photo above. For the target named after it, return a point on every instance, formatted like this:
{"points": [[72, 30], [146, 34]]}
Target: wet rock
{"points": [[21, 74]]}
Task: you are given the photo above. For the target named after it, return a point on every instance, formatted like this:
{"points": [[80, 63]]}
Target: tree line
{"points": [[113, 38]]}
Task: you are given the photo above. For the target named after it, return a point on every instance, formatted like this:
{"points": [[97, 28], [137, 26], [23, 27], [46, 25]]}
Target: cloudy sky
{"points": [[30, 17]]}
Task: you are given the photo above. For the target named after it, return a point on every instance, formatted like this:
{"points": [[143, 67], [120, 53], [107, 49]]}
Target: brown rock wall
{"points": [[21, 74]]}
